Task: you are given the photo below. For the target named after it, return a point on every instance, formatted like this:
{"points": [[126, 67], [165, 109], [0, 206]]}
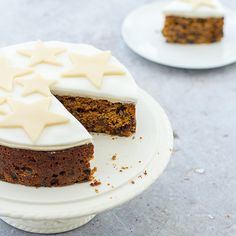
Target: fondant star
{"points": [[8, 73], [199, 3], [42, 54], [93, 67], [32, 117], [37, 84]]}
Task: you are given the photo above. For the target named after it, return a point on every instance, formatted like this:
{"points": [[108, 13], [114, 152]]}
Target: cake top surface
{"points": [[32, 73], [194, 8]]}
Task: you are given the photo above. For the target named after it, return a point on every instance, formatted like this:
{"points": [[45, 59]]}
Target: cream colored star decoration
{"points": [[32, 117], [8, 73], [42, 54], [198, 3], [93, 67], [37, 84]]}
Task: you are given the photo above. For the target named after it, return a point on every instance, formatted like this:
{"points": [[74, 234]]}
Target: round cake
{"points": [[52, 94]]}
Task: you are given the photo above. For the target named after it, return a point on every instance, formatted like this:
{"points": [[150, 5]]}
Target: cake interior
{"points": [[102, 116], [46, 168], [193, 30]]}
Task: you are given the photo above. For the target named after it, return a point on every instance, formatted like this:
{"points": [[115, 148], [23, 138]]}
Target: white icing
{"points": [[52, 137], [117, 88], [186, 9]]}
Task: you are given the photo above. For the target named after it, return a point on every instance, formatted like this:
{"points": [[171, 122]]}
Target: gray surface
{"points": [[201, 106]]}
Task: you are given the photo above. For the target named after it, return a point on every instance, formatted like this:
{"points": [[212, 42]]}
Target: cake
{"points": [[193, 21], [52, 95]]}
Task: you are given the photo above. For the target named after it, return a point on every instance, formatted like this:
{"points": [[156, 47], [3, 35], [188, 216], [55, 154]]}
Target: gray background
{"points": [[201, 106]]}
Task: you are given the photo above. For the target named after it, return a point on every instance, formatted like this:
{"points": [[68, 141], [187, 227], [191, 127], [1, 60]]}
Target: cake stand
{"points": [[137, 162], [141, 30]]}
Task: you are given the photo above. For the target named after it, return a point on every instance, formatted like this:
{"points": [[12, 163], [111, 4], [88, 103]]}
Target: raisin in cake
{"points": [[52, 94], [193, 21]]}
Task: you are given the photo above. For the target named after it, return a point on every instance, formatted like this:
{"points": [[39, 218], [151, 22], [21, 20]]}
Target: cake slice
{"points": [[42, 144], [193, 21]]}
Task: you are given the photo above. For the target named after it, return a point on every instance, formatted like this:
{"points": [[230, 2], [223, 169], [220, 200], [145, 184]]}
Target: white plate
{"points": [[141, 31], [149, 151]]}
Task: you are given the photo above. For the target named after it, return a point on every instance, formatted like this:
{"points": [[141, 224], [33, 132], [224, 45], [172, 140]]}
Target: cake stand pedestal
{"points": [[48, 226], [141, 159]]}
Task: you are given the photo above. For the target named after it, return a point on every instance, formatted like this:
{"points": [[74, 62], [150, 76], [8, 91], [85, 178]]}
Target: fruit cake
{"points": [[52, 94]]}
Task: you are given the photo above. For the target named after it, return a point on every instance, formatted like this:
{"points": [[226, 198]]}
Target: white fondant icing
{"points": [[115, 88], [53, 137], [186, 9], [33, 117]]}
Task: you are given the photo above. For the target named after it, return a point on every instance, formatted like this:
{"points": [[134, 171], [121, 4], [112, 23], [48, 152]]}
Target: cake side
{"points": [[193, 30], [102, 116], [46, 168]]}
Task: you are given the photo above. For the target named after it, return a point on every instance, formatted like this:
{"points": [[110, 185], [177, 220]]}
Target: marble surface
{"points": [[197, 193]]}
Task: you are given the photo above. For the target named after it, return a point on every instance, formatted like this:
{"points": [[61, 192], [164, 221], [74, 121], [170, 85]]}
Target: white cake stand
{"points": [[140, 161]]}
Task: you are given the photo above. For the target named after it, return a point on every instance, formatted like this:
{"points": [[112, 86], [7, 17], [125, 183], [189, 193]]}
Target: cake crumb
{"points": [[108, 184], [139, 161], [121, 170], [145, 172], [94, 170], [124, 167], [140, 176], [95, 183], [140, 137], [96, 190], [114, 157], [132, 182]]}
